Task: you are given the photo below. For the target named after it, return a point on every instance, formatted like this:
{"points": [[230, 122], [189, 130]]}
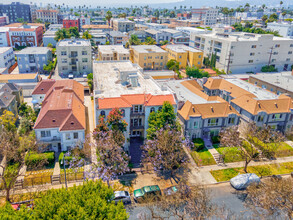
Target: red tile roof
{"points": [[63, 107], [127, 101], [43, 87]]}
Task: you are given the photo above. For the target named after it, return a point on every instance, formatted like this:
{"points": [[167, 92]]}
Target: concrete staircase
{"points": [[216, 155]]}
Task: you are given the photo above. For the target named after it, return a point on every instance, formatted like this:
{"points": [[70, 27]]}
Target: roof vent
{"points": [[212, 109], [42, 89], [72, 123], [259, 105], [230, 107], [193, 109], [276, 105], [54, 120]]}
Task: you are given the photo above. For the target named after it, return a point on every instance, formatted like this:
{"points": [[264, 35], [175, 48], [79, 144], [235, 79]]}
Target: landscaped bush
{"points": [[215, 139], [266, 69], [66, 158], [198, 144], [38, 160]]}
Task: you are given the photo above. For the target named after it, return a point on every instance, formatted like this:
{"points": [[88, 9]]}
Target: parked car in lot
{"points": [[122, 196], [242, 181], [140, 194]]}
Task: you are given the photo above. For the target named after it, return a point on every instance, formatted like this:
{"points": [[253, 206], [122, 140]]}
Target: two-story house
{"points": [[61, 121]]}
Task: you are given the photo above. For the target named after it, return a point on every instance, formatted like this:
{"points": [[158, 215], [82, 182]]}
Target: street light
{"points": [[63, 162]]}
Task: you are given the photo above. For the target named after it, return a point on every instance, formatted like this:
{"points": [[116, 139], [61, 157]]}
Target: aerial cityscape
{"points": [[146, 110]]}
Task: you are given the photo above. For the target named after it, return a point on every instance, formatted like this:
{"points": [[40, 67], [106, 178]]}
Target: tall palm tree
{"points": [[108, 16]]}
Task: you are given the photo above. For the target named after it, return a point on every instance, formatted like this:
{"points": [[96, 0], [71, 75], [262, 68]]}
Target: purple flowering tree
{"points": [[112, 161], [165, 151]]}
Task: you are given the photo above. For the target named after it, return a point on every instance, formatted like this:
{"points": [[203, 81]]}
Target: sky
{"points": [[94, 2]]}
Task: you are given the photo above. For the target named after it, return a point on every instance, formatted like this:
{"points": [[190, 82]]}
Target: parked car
{"points": [[242, 181], [140, 194], [70, 76], [122, 196]]}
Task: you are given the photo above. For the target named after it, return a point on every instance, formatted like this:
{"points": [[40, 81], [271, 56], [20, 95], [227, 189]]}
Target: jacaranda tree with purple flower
{"points": [[165, 151]]}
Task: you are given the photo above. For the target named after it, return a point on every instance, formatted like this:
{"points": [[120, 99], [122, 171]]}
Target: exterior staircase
{"points": [[216, 155]]}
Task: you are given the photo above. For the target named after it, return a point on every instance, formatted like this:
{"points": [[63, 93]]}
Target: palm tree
{"points": [[281, 3], [108, 16], [284, 14], [264, 19]]}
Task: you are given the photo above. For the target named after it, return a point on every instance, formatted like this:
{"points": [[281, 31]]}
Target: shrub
{"points": [[34, 159], [215, 139], [267, 69], [198, 144], [66, 158]]}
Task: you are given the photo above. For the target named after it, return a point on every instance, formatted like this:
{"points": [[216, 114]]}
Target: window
{"points": [[63, 60], [288, 59], [277, 117], [273, 60], [75, 135], [290, 52], [180, 57], [277, 45], [84, 60], [160, 108], [199, 56], [275, 53], [250, 61], [63, 53], [213, 122], [67, 136], [231, 120], [291, 45], [84, 52], [252, 54], [195, 124], [162, 57], [45, 133], [260, 118], [123, 112], [153, 109], [253, 46], [103, 113]]}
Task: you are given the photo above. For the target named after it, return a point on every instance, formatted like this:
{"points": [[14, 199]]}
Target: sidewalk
{"points": [[57, 165]]}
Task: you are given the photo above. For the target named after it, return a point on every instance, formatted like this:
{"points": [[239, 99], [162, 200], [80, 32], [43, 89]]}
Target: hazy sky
{"points": [[94, 2]]}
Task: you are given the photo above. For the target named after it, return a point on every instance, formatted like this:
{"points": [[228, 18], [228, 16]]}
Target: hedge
{"points": [[198, 144], [215, 139], [66, 158], [33, 159]]}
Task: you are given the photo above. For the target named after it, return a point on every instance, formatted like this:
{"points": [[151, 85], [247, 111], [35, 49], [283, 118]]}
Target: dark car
{"points": [[141, 194]]}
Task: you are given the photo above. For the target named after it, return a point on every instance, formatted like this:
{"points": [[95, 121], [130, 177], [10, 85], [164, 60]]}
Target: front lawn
{"points": [[203, 157], [261, 170], [284, 150], [231, 154]]}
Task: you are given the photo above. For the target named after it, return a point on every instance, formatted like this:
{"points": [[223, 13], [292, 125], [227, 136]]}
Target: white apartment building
{"points": [[47, 16], [121, 84], [74, 57], [156, 26], [245, 52], [4, 36], [285, 29], [123, 25], [113, 52], [7, 58], [207, 15], [99, 37]]}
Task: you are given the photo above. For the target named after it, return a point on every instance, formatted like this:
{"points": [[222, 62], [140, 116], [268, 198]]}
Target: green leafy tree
{"points": [[62, 34], [268, 69], [90, 78], [7, 120], [164, 117], [195, 72], [50, 45], [86, 35], [150, 41], [91, 200], [73, 31]]}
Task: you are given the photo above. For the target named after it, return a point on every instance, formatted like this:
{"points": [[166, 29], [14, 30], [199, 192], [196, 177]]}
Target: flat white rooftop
{"points": [[260, 93], [148, 49], [74, 42], [34, 50], [4, 49], [182, 48], [283, 80], [107, 80], [112, 48]]}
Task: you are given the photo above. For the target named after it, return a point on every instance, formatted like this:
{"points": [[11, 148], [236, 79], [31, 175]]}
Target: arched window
{"points": [[152, 109], [123, 112], [160, 108], [103, 113]]}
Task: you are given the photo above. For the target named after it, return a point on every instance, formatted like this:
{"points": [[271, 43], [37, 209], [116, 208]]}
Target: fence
{"points": [[49, 180]]}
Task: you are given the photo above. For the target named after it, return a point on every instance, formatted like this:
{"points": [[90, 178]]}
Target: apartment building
{"points": [[156, 26], [71, 21], [74, 57], [117, 38], [4, 20], [4, 37], [23, 35], [207, 15], [50, 34], [201, 115], [141, 35], [113, 52], [149, 57], [285, 29], [278, 83], [104, 28], [140, 27], [123, 25], [32, 59], [121, 84], [186, 56], [245, 52], [158, 36], [15, 11], [11, 97], [61, 122], [99, 37], [254, 104], [7, 58], [47, 15]]}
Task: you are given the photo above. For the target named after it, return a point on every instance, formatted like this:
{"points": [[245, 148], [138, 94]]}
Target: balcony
{"points": [[50, 139], [73, 63], [136, 127], [134, 113], [73, 55]]}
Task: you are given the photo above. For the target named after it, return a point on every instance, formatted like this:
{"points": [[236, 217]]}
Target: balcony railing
{"points": [[50, 139], [136, 113], [136, 127]]}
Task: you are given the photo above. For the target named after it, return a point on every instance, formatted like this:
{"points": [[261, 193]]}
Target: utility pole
{"points": [[269, 63], [229, 60]]}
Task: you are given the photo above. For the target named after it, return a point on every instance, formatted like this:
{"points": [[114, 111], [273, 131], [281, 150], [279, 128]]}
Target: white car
{"points": [[70, 76], [122, 196]]}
